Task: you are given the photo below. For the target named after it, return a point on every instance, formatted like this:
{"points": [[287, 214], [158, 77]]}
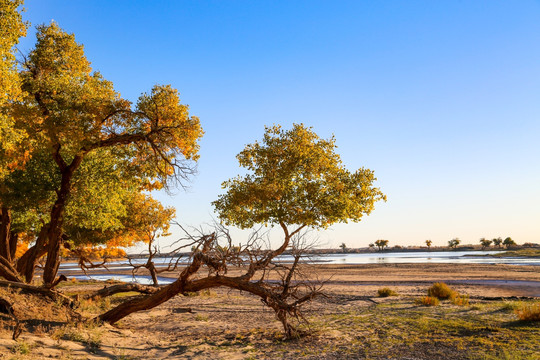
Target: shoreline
{"points": [[475, 279]]}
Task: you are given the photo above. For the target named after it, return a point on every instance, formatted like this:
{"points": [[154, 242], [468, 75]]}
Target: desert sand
{"points": [[225, 324]]}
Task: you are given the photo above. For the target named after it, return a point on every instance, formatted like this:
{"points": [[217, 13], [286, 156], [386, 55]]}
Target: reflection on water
{"points": [[451, 257]]}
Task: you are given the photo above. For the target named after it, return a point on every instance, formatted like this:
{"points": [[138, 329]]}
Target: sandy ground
{"points": [[227, 324]]}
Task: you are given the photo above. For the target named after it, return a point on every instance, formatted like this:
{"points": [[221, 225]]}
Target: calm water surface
{"points": [[449, 257]]}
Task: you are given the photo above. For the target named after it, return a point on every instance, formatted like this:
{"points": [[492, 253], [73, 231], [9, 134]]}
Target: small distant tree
{"points": [[343, 247], [508, 242], [428, 244], [485, 243], [497, 242], [371, 246], [453, 244], [381, 244]]}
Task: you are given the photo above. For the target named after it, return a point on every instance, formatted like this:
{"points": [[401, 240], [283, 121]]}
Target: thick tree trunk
{"points": [[13, 239], [8, 271], [57, 216], [164, 294], [5, 233], [148, 302], [26, 265]]}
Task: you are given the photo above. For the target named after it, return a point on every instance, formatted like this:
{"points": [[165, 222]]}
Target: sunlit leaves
{"points": [[13, 146], [89, 153], [296, 178]]}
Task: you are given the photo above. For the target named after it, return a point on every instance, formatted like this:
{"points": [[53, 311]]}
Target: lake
{"points": [[457, 257]]}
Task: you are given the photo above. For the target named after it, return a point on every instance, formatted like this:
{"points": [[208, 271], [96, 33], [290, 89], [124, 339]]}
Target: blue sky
{"points": [[440, 98]]}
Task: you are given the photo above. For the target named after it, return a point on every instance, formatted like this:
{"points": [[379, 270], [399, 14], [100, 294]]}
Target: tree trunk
{"points": [[148, 302], [13, 239], [57, 217], [150, 266], [8, 271], [26, 265], [5, 232]]}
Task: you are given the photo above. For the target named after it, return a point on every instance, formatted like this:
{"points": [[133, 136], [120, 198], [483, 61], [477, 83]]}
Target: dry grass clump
{"points": [[529, 312], [460, 300], [386, 292], [441, 291], [428, 301]]}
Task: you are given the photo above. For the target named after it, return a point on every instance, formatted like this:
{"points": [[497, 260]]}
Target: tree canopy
{"points": [[92, 152], [296, 179]]}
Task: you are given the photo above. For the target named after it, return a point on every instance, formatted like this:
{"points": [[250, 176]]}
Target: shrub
{"points": [[386, 292], [529, 312], [441, 291], [428, 301], [460, 300]]}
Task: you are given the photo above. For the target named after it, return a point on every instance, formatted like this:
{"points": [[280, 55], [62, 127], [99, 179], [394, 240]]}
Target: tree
{"points": [[453, 244], [296, 180], [428, 243], [381, 244], [485, 243], [291, 194], [75, 117], [497, 242], [343, 247], [371, 246], [508, 242], [151, 220]]}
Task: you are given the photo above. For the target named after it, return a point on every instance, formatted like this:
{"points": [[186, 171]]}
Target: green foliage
{"points": [[381, 244], [92, 153], [508, 242], [529, 312], [510, 306], [295, 177], [497, 241], [485, 243], [453, 244], [386, 292], [441, 291]]}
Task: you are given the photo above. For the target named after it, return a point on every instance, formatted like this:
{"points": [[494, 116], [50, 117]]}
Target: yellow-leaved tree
{"points": [[91, 149], [296, 180]]}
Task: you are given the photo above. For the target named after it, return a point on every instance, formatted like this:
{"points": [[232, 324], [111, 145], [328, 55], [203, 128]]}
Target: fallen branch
{"points": [[51, 293], [115, 289]]}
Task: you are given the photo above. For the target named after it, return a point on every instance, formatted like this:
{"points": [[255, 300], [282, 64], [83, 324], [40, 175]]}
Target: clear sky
{"points": [[440, 98]]}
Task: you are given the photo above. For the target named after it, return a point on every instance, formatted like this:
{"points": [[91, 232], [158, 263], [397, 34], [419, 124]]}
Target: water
{"points": [[448, 257]]}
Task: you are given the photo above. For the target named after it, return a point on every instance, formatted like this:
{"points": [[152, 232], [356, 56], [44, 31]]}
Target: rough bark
{"points": [[8, 271], [115, 289], [26, 265], [35, 290], [164, 294], [57, 215], [13, 239], [5, 233]]}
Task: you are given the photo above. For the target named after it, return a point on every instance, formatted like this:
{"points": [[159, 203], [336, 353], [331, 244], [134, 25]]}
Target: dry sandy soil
{"points": [[231, 325]]}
